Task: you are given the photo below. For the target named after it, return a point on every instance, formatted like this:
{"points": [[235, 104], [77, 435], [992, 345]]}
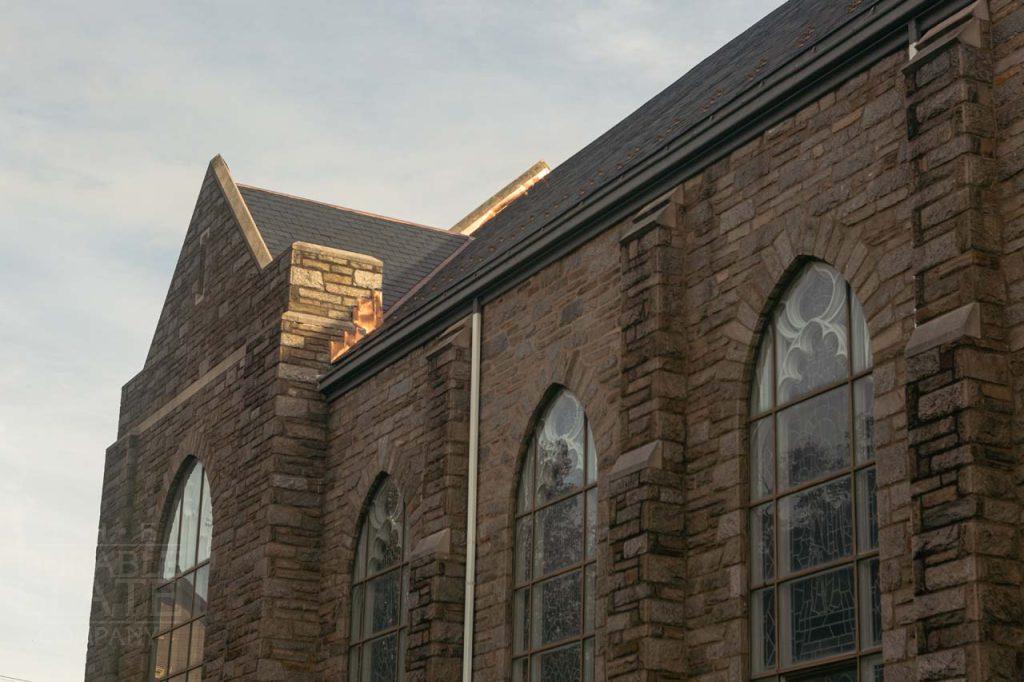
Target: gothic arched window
{"points": [[380, 579], [814, 598], [179, 601], [555, 549]]}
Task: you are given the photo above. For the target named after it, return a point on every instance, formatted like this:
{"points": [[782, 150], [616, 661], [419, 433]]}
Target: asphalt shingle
{"points": [[410, 252]]}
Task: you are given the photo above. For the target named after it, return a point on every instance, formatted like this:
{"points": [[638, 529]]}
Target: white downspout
{"points": [[471, 484]]}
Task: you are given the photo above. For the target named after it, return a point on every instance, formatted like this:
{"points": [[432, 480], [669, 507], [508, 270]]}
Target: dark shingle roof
{"points": [[410, 252], [735, 68]]}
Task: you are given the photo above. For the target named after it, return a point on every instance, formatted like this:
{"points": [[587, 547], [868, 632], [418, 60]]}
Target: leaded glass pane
{"points": [[560, 449], [811, 333], [524, 498], [814, 438], [524, 549], [864, 419], [519, 670], [403, 645], [870, 604], [381, 664], [871, 669], [171, 544], [559, 536], [184, 591], [867, 510], [589, 591], [761, 391], [198, 639], [762, 458], [201, 599], [205, 523], [195, 676], [762, 539], [384, 525], [862, 359], [762, 623], [818, 614], [353, 664], [591, 456], [179, 650], [360, 568], [355, 617], [591, 522], [558, 665], [816, 526], [382, 602], [163, 606], [556, 609], [190, 520], [520, 619], [161, 650]]}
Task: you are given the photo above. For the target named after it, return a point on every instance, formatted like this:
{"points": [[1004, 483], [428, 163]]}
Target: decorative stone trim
{"points": [[243, 217], [437, 544], [957, 324]]}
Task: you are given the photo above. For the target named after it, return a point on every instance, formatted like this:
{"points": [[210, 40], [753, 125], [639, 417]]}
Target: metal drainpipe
{"points": [[471, 484]]}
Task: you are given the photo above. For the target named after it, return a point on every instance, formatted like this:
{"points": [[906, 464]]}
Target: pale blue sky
{"points": [[109, 113]]}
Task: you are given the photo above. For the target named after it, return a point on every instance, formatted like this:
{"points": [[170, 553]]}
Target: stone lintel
{"points": [[957, 324]]}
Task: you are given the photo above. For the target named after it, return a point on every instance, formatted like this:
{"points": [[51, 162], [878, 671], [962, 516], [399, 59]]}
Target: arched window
{"points": [[555, 543], [380, 582], [814, 598], [180, 598]]}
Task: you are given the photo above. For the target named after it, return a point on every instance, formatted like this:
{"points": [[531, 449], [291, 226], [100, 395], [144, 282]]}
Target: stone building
{"points": [[730, 394]]}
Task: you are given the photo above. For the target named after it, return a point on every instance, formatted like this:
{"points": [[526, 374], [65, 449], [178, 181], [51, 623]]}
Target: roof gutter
{"points": [[880, 30]]}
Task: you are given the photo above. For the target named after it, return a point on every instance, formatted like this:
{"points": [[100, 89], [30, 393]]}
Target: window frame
{"points": [[192, 672], [357, 611], [861, 553], [585, 491]]}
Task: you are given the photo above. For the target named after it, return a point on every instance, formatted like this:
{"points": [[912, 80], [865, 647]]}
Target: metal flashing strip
{"points": [[844, 54]]}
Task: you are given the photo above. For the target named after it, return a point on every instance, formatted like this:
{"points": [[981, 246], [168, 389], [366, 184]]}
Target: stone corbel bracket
{"points": [[964, 322]]}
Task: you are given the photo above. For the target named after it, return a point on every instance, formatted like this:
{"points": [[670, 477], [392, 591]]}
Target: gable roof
{"points": [[410, 252], [802, 48]]}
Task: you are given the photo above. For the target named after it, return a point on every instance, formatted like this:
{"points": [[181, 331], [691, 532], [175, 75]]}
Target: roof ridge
{"points": [[353, 210]]}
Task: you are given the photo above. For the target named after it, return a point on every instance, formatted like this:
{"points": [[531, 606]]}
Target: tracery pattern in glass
{"points": [[814, 607], [181, 595], [553, 606], [380, 582]]}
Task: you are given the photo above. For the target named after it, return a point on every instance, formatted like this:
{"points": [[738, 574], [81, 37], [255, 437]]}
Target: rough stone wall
{"points": [[832, 183], [230, 380], [558, 328], [409, 422]]}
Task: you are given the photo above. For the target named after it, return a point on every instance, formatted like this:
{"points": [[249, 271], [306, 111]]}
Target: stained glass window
{"points": [[814, 605], [555, 549], [181, 595], [380, 582]]}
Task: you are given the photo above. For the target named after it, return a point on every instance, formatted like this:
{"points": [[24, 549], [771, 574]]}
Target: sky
{"points": [[109, 114]]}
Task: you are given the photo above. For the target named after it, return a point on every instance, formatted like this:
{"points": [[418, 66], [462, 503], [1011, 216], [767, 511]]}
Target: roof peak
{"points": [[348, 209]]}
